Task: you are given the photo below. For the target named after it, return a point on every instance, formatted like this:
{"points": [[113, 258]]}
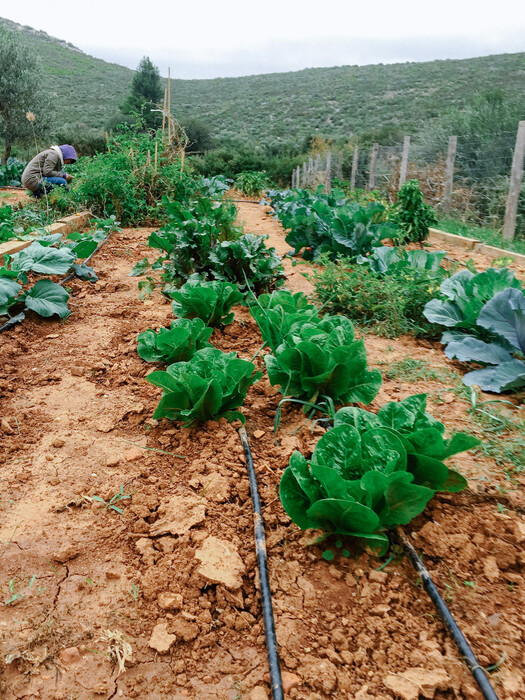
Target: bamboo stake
{"points": [[164, 111], [169, 105], [156, 156]]}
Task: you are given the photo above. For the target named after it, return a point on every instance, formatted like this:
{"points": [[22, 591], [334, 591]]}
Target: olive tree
{"points": [[25, 108]]}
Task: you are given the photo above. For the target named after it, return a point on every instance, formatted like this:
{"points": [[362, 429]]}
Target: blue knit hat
{"points": [[68, 152]]}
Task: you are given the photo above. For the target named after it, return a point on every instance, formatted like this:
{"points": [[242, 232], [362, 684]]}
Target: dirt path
{"points": [[174, 575]]}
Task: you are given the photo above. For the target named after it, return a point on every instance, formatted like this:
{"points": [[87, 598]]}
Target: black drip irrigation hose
{"points": [[457, 635], [266, 595], [11, 321]]}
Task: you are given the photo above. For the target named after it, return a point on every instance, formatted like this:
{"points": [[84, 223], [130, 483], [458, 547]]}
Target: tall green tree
{"points": [[146, 94], [21, 93]]}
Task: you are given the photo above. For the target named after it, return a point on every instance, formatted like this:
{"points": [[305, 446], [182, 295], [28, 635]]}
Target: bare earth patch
{"points": [[174, 576]]}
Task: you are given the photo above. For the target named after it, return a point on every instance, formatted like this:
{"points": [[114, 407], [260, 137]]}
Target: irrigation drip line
{"points": [[266, 595], [12, 321], [457, 635], [6, 187]]}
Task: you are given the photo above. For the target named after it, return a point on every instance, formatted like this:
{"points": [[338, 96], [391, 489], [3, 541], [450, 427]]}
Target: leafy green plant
{"points": [[504, 317], [328, 223], [412, 215], [248, 263], [276, 313], [389, 304], [176, 344], [11, 172], [209, 301], [8, 228], [465, 294], [45, 298], [372, 473], [321, 358], [110, 505], [211, 385], [387, 260], [251, 183]]}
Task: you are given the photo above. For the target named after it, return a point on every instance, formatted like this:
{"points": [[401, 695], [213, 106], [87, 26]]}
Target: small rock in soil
{"points": [[179, 515], [377, 577], [70, 655], [220, 562], [185, 630], [113, 461], [133, 454], [258, 434], [290, 680], [160, 640], [415, 681], [490, 569], [170, 601], [258, 693], [58, 442], [6, 428]]}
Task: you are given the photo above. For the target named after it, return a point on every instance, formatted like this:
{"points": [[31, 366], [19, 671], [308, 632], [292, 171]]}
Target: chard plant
{"points": [[177, 344], [210, 301], [210, 386], [371, 473]]}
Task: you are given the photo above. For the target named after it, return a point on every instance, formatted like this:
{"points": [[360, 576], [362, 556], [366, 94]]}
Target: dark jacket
{"points": [[45, 164]]}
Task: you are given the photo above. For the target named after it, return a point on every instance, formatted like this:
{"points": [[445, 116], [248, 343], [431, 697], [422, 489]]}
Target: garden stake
{"points": [[457, 635], [266, 595]]}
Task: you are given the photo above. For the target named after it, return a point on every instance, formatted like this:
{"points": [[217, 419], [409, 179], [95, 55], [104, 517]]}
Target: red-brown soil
{"points": [[80, 581], [14, 197]]}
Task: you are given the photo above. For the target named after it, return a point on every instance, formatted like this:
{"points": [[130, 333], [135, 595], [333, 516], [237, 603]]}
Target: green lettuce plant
{"points": [[177, 344], [210, 386], [276, 313], [372, 473], [320, 358], [209, 301]]}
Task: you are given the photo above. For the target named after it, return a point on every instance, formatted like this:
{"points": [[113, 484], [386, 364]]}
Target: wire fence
{"points": [[474, 183]]}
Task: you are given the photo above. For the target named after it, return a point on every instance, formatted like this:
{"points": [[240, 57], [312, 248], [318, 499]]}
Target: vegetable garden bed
{"points": [[174, 574]]}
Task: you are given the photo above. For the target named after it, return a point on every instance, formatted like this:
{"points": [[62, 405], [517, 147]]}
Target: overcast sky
{"points": [[219, 38]]}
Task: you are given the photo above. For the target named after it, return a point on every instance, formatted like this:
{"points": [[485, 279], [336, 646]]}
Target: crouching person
{"points": [[45, 171]]}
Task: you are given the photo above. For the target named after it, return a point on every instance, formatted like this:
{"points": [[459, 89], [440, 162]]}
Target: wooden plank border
{"points": [[64, 226]]}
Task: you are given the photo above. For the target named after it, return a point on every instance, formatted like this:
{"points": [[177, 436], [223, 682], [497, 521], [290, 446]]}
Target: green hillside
{"points": [[334, 102]]}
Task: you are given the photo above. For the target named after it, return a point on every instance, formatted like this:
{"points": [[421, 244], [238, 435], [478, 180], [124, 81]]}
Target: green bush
{"points": [[412, 216], [389, 305], [123, 181], [251, 183]]}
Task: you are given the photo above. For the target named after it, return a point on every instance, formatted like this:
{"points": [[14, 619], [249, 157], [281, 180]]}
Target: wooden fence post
{"points": [[317, 166], [355, 161], [293, 179], [516, 176], [449, 174], [373, 162], [305, 174], [310, 171], [328, 181], [298, 176], [404, 162]]}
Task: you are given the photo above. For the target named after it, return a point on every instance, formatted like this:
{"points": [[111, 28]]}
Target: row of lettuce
{"points": [[368, 473], [482, 314]]}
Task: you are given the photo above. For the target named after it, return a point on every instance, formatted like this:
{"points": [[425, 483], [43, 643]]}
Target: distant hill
{"points": [[334, 102]]}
